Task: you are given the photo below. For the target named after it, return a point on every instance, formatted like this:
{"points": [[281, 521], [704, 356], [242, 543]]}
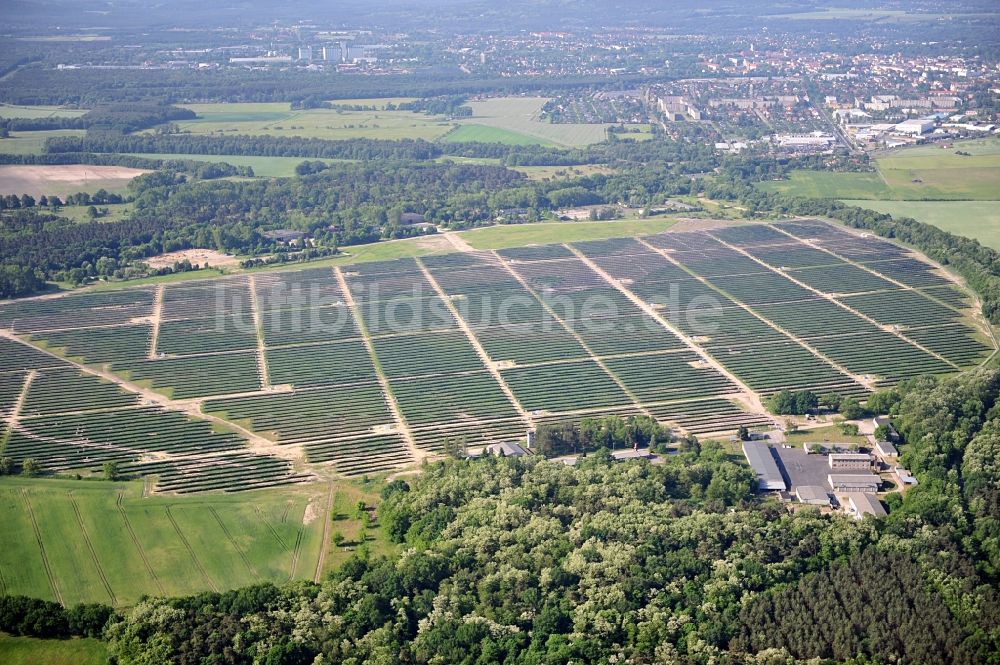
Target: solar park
{"points": [[262, 379]]}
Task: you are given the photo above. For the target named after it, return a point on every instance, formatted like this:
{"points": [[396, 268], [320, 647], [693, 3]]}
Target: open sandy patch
{"points": [[200, 256]]}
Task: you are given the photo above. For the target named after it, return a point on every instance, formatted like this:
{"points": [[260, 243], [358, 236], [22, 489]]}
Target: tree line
{"points": [[117, 118]]}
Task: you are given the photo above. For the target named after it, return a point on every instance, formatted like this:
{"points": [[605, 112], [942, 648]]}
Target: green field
{"points": [[32, 651], [32, 112], [520, 115], [485, 134], [88, 541], [929, 183], [923, 173], [79, 213], [31, 143], [277, 119], [972, 219], [830, 185]]}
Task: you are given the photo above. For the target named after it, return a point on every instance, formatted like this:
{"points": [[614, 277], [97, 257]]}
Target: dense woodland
{"points": [[529, 561]]}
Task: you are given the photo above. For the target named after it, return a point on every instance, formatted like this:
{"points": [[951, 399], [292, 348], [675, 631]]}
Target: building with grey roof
{"points": [[886, 449], [854, 482], [813, 495], [762, 462], [855, 461], [860, 504]]}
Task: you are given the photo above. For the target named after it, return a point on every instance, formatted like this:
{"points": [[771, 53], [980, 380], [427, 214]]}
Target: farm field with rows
{"points": [[268, 379]]}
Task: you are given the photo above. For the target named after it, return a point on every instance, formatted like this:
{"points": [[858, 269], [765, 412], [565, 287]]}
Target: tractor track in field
{"points": [[41, 548], [232, 541], [119, 503], [194, 556], [296, 553], [90, 548], [327, 522], [3, 584], [267, 524]]}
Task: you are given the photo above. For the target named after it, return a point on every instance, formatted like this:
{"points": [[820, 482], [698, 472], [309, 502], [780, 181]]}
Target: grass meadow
{"points": [[278, 119], [32, 651], [521, 116], [94, 541], [930, 183], [972, 219]]}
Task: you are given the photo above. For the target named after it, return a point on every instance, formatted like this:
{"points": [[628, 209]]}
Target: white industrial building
{"points": [[915, 127]]}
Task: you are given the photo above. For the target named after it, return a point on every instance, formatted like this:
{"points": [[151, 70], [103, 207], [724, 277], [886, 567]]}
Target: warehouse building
{"points": [[886, 449], [762, 462], [854, 482], [850, 461], [861, 504], [812, 495]]}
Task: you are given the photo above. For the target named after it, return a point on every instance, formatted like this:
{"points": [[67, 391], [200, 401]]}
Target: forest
{"points": [[529, 561]]}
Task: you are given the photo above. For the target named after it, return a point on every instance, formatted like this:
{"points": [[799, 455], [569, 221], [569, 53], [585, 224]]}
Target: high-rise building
{"points": [[306, 53]]}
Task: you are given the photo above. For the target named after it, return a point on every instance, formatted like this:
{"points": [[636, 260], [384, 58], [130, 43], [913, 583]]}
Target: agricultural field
{"points": [[34, 112], [31, 143], [521, 116], [477, 133], [277, 119], [971, 219], [84, 541], [922, 173], [934, 185], [830, 185], [274, 378], [63, 180]]}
